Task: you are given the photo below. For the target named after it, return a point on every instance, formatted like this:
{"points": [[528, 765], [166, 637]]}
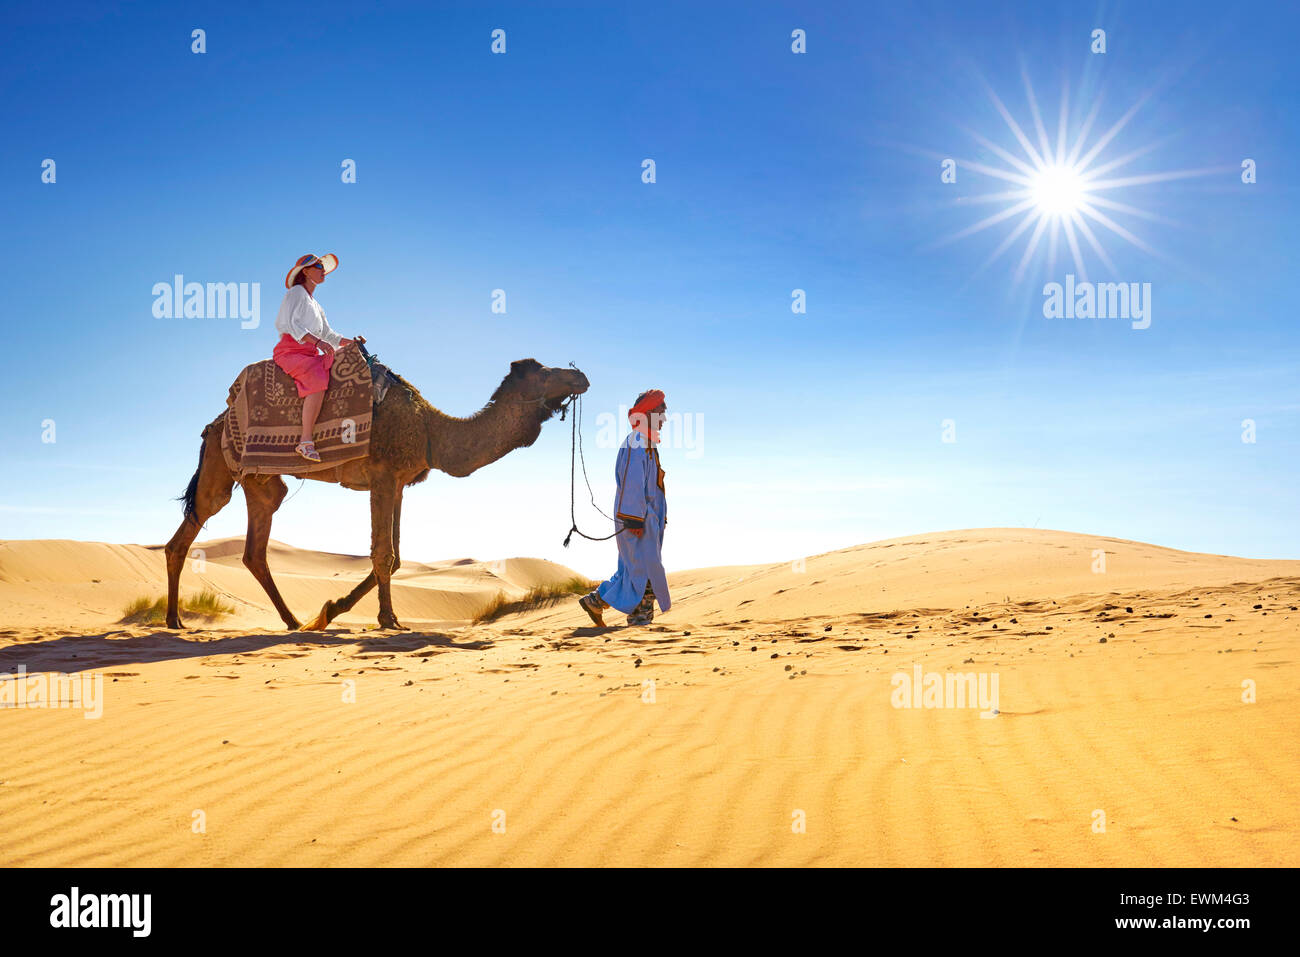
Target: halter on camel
{"points": [[575, 444]]}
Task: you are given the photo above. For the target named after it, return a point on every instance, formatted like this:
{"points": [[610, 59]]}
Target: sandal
{"points": [[594, 606], [308, 451]]}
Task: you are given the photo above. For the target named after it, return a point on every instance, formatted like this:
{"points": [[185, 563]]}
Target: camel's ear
{"points": [[518, 370]]}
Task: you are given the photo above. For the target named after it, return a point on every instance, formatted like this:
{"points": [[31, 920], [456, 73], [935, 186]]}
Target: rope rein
{"points": [[575, 450], [575, 454]]}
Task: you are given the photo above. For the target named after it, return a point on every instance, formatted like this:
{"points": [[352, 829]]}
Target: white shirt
{"points": [[301, 315]]}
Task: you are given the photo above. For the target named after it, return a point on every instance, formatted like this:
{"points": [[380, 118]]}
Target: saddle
{"points": [[263, 422]]}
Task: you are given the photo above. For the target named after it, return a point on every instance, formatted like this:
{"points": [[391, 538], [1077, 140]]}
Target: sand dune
{"points": [[765, 698], [89, 583]]}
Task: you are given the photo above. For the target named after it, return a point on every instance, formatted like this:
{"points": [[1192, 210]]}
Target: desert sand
{"points": [[753, 724]]}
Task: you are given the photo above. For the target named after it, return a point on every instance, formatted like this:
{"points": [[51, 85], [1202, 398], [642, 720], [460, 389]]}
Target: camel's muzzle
{"points": [[579, 384]]}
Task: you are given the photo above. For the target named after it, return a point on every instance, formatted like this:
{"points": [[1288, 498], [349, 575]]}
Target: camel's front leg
{"points": [[335, 607], [397, 529], [384, 496]]}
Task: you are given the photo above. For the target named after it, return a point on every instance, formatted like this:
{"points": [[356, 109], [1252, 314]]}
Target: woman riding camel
{"points": [[304, 336]]}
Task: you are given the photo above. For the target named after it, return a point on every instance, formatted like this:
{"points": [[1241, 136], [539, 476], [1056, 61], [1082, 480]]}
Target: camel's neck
{"points": [[463, 446]]}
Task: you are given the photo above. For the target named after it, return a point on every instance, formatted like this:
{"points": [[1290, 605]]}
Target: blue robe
{"points": [[640, 495]]}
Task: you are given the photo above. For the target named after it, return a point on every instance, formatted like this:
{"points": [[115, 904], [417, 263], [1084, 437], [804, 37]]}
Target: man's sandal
{"points": [[594, 605], [308, 451]]}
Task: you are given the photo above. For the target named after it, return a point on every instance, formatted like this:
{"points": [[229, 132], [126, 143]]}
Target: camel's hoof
{"points": [[392, 624], [293, 624], [175, 623], [319, 622]]}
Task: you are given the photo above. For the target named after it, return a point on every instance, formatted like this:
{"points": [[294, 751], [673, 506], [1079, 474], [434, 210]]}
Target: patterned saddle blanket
{"points": [[264, 417]]}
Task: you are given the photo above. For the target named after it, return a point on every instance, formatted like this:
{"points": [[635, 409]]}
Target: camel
{"points": [[408, 437]]}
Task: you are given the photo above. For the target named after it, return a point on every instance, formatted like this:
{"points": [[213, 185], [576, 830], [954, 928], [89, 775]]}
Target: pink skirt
{"points": [[310, 369]]}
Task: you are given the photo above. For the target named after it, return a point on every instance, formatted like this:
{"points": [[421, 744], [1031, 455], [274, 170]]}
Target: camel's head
{"points": [[530, 381]]}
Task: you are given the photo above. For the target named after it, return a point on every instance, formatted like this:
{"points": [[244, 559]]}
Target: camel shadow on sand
{"points": [[73, 653]]}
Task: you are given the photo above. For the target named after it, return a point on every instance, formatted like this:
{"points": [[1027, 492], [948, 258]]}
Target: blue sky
{"points": [[775, 171]]}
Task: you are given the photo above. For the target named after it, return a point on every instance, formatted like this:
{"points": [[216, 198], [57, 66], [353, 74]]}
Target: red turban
{"points": [[651, 400], [639, 416]]}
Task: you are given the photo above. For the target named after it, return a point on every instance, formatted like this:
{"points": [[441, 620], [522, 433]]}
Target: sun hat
{"points": [[329, 261]]}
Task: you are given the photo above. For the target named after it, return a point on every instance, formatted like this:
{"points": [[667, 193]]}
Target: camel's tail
{"points": [[192, 490]]}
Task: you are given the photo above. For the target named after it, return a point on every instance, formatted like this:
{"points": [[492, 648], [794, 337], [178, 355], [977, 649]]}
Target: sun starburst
{"points": [[1057, 190], [1054, 188]]}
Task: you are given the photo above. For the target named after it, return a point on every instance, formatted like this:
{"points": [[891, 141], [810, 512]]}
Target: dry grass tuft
{"points": [[541, 596], [142, 611]]}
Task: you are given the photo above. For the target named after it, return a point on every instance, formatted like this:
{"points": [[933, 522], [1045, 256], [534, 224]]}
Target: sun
{"points": [[1054, 189], [1057, 191]]}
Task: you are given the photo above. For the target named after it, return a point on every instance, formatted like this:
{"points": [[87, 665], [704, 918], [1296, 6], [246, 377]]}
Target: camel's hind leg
{"points": [[263, 495], [208, 492], [332, 609]]}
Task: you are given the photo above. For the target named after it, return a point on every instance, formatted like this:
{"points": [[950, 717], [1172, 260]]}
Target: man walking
{"points": [[641, 510]]}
